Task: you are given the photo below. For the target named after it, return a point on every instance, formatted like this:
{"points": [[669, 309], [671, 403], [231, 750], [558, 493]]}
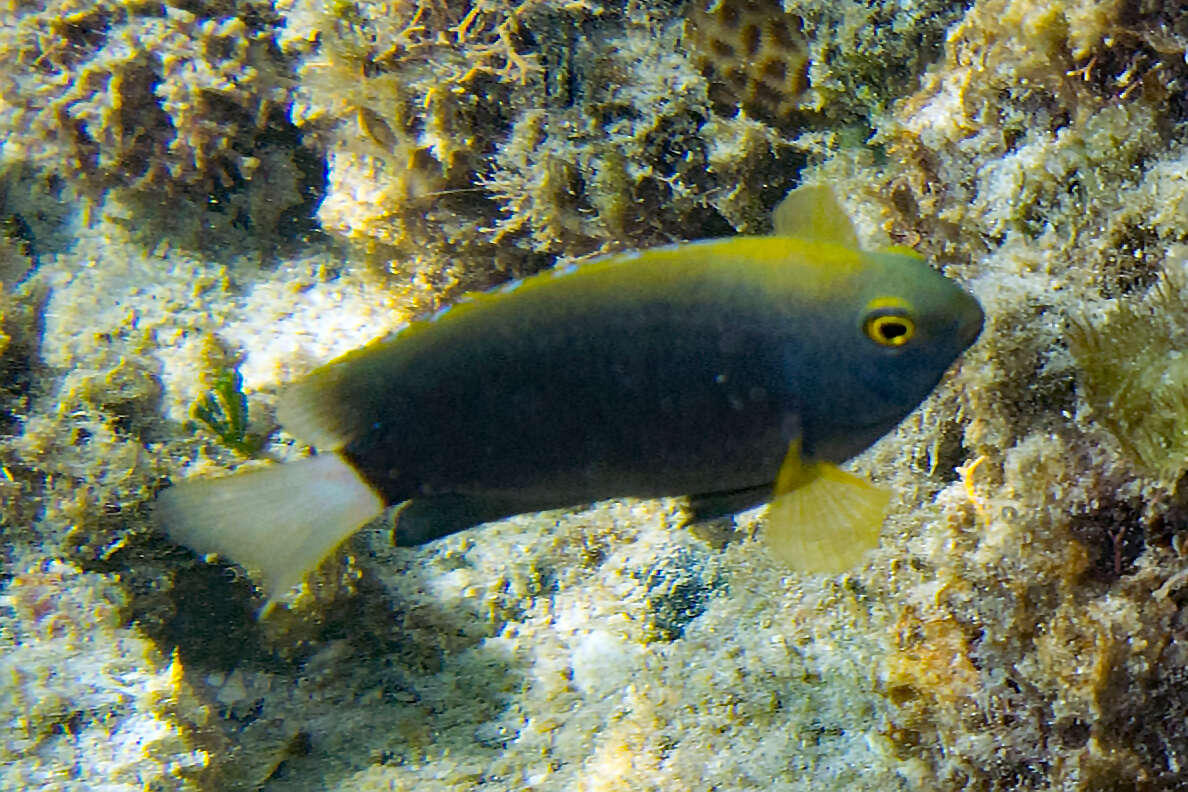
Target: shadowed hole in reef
{"points": [[298, 221], [679, 590], [1114, 534], [208, 614], [1129, 264], [212, 625], [16, 380], [278, 143], [1070, 733], [20, 360], [777, 176], [949, 452]]}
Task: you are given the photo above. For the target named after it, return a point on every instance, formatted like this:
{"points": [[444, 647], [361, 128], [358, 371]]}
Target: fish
{"points": [[730, 371]]}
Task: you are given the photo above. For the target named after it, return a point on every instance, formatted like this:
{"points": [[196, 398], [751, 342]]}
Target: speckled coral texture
{"points": [[186, 187]]}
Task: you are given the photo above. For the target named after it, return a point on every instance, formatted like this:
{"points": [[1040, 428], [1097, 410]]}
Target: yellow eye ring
{"points": [[889, 327]]}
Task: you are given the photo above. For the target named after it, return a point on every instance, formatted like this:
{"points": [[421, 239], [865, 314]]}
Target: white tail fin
{"points": [[278, 522]]}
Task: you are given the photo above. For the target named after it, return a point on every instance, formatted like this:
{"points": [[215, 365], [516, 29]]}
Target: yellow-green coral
{"points": [[1134, 373]]}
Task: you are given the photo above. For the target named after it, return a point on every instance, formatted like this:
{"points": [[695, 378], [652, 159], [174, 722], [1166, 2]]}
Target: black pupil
{"points": [[892, 330]]}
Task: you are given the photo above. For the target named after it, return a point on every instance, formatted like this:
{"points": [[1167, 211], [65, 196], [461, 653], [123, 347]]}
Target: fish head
{"points": [[896, 327]]}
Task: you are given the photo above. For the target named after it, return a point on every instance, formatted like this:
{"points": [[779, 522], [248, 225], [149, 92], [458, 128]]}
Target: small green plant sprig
{"points": [[223, 412]]}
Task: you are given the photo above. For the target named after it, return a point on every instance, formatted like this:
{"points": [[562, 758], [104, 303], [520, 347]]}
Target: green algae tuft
{"points": [[1134, 374], [223, 411]]}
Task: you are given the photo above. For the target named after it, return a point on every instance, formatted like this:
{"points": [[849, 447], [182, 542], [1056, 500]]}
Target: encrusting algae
{"points": [[716, 369]]}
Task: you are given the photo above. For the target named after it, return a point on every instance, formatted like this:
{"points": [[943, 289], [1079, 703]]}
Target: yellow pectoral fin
{"points": [[792, 474], [827, 521]]}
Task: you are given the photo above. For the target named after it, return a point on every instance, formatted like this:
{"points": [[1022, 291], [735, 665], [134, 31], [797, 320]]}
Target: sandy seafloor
{"points": [[192, 187]]}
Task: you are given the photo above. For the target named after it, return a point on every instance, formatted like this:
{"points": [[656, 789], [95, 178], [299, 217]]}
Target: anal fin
{"points": [[431, 517], [712, 505]]}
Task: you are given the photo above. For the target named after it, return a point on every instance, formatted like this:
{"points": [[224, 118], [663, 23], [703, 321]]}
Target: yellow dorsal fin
{"points": [[314, 413], [822, 519], [812, 212]]}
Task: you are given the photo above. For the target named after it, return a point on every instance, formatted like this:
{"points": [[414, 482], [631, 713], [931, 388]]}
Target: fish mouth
{"points": [[971, 322]]}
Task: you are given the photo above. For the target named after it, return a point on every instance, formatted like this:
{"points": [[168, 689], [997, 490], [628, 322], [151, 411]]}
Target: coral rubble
{"points": [[76, 678]]}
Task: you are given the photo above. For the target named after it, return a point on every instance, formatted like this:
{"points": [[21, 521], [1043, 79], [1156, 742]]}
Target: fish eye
{"points": [[889, 323]]}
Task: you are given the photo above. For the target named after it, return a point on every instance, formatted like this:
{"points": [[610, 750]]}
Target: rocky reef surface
{"points": [[198, 189]]}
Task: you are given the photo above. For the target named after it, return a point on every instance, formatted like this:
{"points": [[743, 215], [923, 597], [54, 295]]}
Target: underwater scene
{"points": [[593, 395]]}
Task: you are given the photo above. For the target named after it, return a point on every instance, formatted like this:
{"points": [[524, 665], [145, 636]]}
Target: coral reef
{"points": [[1022, 625], [456, 131], [170, 101], [74, 675], [405, 100], [17, 333], [755, 50], [1133, 377], [803, 62], [1045, 162]]}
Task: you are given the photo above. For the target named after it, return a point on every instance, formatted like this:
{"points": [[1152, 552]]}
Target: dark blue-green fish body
{"points": [[718, 369]]}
